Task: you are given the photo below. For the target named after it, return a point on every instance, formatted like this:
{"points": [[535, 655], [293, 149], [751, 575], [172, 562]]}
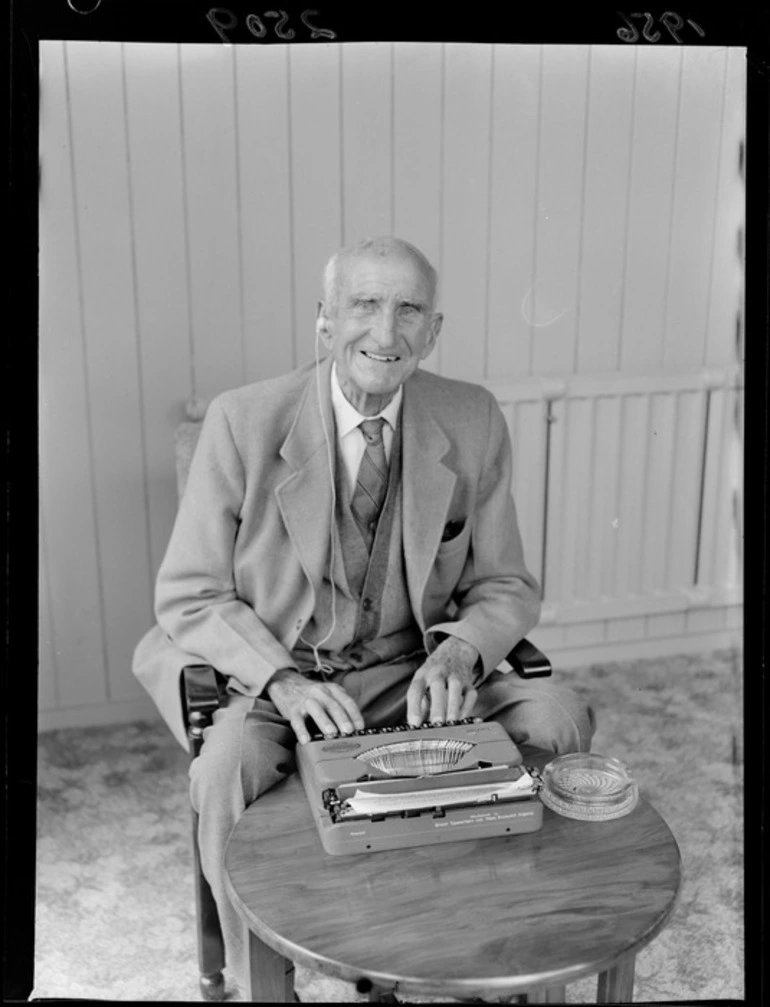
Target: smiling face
{"points": [[380, 326]]}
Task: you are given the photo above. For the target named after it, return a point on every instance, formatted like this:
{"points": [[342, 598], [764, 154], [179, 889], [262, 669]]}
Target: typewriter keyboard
{"points": [[319, 736]]}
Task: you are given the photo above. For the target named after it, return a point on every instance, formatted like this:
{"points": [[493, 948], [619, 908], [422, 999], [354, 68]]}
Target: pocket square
{"points": [[451, 530]]}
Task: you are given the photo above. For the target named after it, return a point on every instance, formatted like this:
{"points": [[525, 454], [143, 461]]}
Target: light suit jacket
{"points": [[251, 539]]}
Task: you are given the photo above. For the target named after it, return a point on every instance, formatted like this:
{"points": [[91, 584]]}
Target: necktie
{"points": [[372, 480]]}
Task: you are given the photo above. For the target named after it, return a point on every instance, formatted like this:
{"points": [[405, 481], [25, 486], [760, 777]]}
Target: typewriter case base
{"points": [[456, 824], [328, 764]]}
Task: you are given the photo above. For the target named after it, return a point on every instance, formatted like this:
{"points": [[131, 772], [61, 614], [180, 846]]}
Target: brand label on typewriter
{"points": [[478, 817]]}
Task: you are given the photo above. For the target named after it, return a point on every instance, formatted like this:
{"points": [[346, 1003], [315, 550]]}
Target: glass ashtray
{"points": [[589, 787]]}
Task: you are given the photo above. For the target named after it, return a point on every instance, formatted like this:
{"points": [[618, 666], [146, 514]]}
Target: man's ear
{"points": [[322, 324], [433, 331]]}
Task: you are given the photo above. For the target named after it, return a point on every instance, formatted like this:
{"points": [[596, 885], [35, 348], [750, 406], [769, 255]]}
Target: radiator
{"points": [[628, 491]]}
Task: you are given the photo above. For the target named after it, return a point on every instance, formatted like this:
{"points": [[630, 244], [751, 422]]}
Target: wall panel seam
{"points": [[239, 209], [627, 218], [341, 100], [549, 422], [186, 225], [667, 551], [84, 359], [593, 554], [672, 209], [137, 330], [490, 182], [290, 169], [46, 587], [613, 566], [581, 225], [645, 467], [442, 161], [702, 486], [532, 307], [392, 137], [715, 212]]}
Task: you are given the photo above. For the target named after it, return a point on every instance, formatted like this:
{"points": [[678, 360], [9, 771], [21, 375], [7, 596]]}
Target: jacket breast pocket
{"points": [[445, 575], [457, 545]]}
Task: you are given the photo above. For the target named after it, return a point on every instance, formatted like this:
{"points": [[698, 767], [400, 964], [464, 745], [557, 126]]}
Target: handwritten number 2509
{"points": [[671, 21], [222, 20]]}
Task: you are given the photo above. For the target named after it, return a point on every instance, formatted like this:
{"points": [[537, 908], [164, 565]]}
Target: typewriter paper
{"points": [[365, 802]]}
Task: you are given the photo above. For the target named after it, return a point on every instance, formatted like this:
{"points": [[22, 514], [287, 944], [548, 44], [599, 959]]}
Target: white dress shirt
{"points": [[350, 437]]}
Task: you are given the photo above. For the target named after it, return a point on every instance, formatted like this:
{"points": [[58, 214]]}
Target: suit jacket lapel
{"points": [[428, 485], [305, 496]]}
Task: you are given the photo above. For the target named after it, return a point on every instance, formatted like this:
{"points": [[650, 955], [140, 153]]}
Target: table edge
{"points": [[452, 987]]}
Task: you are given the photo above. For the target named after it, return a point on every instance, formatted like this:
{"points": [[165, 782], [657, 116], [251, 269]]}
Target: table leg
{"points": [[547, 995], [616, 985], [381, 996], [271, 976]]}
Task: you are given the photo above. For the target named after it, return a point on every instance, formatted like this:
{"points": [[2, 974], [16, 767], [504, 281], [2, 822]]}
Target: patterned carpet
{"points": [[115, 907]]}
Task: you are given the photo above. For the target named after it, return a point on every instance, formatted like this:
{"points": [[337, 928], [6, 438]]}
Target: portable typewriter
{"points": [[406, 786]]}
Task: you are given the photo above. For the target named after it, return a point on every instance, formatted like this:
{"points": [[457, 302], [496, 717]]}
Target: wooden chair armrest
{"points": [[202, 687], [529, 662]]}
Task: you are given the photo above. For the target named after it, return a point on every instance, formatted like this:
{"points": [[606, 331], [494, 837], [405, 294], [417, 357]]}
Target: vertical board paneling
{"points": [[583, 205], [658, 492], [528, 432], [700, 123], [315, 157], [552, 304], [213, 209], [686, 485], [575, 545], [604, 483], [713, 480], [726, 545], [417, 147], [162, 295], [367, 140], [556, 505], [516, 97], [605, 201], [47, 691], [262, 83], [655, 117], [724, 296], [102, 195], [737, 474], [66, 461], [461, 350], [635, 421]]}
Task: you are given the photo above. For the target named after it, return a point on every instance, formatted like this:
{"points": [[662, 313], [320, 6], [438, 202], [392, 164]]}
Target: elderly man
{"points": [[347, 555]]}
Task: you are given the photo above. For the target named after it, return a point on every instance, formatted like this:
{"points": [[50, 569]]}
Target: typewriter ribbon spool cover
{"points": [[397, 787]]}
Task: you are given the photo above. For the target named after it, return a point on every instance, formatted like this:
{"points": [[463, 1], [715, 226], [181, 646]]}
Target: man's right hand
{"points": [[296, 698]]}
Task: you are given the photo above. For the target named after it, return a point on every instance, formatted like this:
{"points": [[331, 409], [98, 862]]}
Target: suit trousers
{"points": [[250, 748]]}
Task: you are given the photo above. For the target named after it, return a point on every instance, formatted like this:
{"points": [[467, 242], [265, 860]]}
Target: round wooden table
{"points": [[463, 920]]}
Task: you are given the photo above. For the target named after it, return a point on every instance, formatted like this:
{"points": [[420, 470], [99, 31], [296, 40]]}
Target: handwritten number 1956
{"points": [[223, 20], [670, 20]]}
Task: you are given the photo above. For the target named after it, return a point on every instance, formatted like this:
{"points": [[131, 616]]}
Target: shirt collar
{"points": [[348, 417]]}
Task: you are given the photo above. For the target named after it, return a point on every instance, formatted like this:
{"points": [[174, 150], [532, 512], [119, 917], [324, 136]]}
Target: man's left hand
{"points": [[442, 688]]}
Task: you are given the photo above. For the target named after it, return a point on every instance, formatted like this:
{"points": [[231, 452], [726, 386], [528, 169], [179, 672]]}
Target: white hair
{"points": [[383, 246]]}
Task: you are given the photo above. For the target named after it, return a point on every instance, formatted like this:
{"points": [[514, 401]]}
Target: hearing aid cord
{"points": [[322, 667]]}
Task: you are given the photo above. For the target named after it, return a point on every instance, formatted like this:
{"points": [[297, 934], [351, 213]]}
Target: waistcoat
{"points": [[373, 620]]}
